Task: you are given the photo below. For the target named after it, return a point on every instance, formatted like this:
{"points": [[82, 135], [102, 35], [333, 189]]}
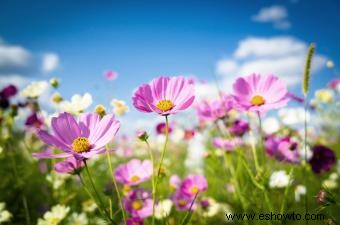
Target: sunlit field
{"points": [[246, 145]]}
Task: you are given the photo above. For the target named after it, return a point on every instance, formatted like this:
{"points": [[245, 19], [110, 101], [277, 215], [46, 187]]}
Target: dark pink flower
{"points": [[34, 120], [323, 158], [80, 138], [239, 127], [164, 95], [8, 91], [134, 172], [193, 184], [183, 202], [259, 93], [135, 221], [160, 128]]}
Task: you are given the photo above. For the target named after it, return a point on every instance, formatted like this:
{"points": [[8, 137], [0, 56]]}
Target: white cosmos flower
{"points": [[331, 182], [78, 219], [293, 116], [279, 179], [299, 190], [34, 89], [55, 216], [5, 215], [163, 208], [213, 208], [119, 107], [324, 95], [89, 206], [77, 104]]}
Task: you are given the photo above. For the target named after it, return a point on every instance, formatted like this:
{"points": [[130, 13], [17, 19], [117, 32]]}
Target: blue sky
{"points": [[144, 39]]}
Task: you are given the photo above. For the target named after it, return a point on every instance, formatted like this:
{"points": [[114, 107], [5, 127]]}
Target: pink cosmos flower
{"points": [[70, 165], [175, 182], [110, 75], [282, 148], [164, 95], [334, 84], [183, 201], [211, 111], [193, 184], [134, 172], [139, 203], [225, 144], [80, 138], [260, 93]]}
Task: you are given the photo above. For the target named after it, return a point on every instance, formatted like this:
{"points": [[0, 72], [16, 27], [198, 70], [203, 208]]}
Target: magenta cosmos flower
{"points": [[139, 203], [134, 172], [164, 95], [283, 149], [193, 184], [80, 138], [135, 221], [183, 202], [260, 93], [239, 127]]}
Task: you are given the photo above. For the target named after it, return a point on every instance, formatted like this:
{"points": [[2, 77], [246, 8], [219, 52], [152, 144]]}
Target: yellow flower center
{"points": [[194, 190], [257, 100], [81, 144], [165, 105], [137, 205], [135, 178], [181, 202]]}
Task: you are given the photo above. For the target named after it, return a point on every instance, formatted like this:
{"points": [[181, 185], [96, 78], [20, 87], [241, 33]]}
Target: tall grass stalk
{"points": [[305, 90]]}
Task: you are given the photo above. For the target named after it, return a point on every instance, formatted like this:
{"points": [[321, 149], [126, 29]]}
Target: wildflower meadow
{"points": [[65, 168]]}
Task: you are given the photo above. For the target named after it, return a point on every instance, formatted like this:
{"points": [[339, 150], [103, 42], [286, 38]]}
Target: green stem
{"points": [[116, 187], [96, 193], [160, 165], [305, 158], [261, 137], [152, 177], [253, 149], [89, 193]]}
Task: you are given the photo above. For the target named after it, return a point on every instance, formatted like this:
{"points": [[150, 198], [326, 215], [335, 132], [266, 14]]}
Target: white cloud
{"points": [[270, 14], [50, 62], [15, 79], [13, 56], [276, 14], [282, 56], [275, 46]]}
